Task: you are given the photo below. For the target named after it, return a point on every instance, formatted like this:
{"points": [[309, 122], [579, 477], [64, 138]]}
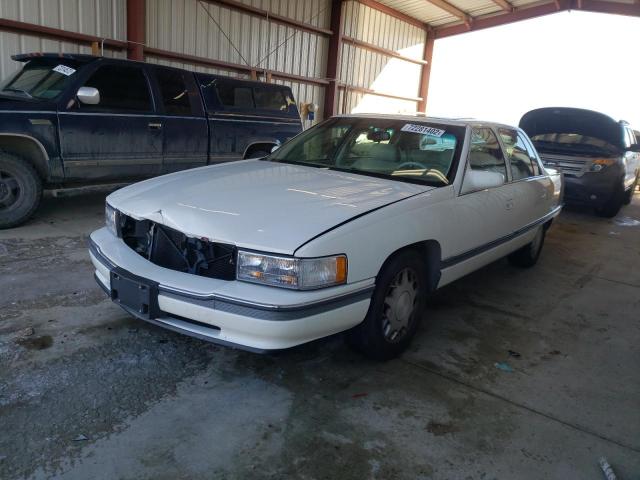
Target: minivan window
{"points": [[485, 153], [174, 91], [523, 164], [234, 95], [121, 88]]}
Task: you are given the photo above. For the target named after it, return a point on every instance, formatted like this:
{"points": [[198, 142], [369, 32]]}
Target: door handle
{"points": [[155, 126]]}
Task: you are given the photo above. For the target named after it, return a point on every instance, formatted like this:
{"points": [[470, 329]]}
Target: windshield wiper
{"points": [[17, 90]]}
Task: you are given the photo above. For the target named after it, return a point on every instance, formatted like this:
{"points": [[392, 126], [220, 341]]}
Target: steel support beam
{"points": [[383, 51], [333, 59], [599, 6], [368, 91], [272, 17], [393, 13], [425, 76], [135, 29]]}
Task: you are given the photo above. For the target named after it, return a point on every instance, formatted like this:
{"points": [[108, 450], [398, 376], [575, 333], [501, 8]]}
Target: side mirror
{"points": [[475, 180], [88, 95], [274, 148], [634, 148]]}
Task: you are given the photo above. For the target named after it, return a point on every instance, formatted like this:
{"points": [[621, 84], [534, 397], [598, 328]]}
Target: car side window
{"points": [[271, 99], [174, 91], [234, 95], [523, 164], [485, 153], [121, 88]]}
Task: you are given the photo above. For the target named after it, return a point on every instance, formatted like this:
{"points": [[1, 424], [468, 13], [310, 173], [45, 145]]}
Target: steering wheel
{"points": [[408, 165]]}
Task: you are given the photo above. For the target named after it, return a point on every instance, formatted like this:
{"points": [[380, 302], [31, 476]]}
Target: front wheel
{"points": [[20, 190], [528, 255], [628, 196], [395, 310]]}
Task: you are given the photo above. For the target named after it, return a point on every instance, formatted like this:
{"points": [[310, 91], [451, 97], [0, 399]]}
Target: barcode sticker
{"points": [[413, 128], [64, 70]]}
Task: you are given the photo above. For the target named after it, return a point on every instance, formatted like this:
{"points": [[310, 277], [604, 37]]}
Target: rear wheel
{"points": [[614, 204], [396, 307], [20, 190], [528, 255]]}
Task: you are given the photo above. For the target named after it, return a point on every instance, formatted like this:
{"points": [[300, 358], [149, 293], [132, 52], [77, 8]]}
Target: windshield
{"points": [[573, 142], [406, 150], [40, 80]]}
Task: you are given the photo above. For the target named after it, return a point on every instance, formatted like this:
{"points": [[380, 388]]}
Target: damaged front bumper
{"points": [[249, 316]]}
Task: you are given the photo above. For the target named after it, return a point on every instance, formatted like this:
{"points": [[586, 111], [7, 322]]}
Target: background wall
{"points": [[187, 33]]}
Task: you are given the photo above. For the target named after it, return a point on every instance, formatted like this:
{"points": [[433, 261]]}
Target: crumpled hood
{"points": [[258, 204], [572, 120]]}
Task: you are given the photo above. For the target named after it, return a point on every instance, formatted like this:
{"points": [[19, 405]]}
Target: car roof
{"points": [[459, 122]]}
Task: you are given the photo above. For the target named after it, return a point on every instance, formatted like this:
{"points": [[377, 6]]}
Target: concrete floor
{"points": [[92, 393]]}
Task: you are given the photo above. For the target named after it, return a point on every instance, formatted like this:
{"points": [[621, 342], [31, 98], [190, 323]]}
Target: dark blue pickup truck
{"points": [[69, 120]]}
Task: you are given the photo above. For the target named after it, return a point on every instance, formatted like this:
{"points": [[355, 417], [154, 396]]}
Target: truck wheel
{"points": [[628, 196], [20, 190], [395, 310], [613, 205], [528, 255]]}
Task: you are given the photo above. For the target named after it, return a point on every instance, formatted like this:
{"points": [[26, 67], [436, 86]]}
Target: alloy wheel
{"points": [[399, 305]]}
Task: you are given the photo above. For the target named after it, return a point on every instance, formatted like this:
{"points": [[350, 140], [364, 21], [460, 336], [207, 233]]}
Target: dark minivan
{"points": [[69, 120], [597, 155]]}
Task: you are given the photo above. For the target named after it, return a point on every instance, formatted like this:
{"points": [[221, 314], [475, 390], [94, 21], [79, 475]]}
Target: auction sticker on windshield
{"points": [[64, 70], [412, 127]]}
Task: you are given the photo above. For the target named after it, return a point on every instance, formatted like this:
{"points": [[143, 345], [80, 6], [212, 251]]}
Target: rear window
{"points": [[272, 99]]}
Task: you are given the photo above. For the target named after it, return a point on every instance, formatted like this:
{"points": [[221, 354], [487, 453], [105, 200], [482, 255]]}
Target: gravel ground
{"points": [[87, 392]]}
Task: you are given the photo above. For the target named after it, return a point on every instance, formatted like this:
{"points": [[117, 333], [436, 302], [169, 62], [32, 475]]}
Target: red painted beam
{"points": [[504, 5], [135, 29], [333, 59], [393, 13], [368, 91], [451, 9], [232, 67], [57, 34], [480, 23], [258, 12], [383, 51], [425, 76]]}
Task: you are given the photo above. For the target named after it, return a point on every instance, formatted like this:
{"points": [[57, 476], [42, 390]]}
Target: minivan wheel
{"points": [[628, 196], [528, 255], [613, 205], [20, 190], [395, 310]]}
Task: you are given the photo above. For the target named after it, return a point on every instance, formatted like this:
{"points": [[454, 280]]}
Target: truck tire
{"points": [[528, 255], [396, 307], [612, 206], [628, 196], [20, 190]]}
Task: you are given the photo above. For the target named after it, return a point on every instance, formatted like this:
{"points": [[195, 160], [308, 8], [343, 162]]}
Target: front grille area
{"points": [[172, 249], [566, 164]]}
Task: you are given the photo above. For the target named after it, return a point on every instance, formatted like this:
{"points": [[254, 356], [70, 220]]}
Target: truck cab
{"points": [[69, 120]]}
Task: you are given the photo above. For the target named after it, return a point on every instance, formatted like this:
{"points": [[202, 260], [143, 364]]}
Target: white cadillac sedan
{"points": [[347, 227]]}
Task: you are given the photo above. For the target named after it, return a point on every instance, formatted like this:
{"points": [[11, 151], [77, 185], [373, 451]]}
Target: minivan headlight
{"points": [[289, 272], [111, 219]]}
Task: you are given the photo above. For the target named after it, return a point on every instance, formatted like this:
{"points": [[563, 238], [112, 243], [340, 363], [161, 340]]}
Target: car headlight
{"points": [[111, 218], [598, 164], [289, 272]]}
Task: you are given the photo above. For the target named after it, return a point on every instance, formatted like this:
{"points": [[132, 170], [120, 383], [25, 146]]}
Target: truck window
{"points": [[270, 99], [41, 80], [174, 91], [234, 95], [522, 164], [121, 88]]}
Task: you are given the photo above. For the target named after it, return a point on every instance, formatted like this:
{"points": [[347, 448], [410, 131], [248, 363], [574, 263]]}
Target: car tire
{"points": [[395, 311], [612, 206], [257, 154], [628, 196], [20, 190], [528, 255]]}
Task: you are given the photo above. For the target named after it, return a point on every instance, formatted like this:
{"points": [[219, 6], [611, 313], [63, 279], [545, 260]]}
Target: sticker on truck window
{"points": [[64, 70], [413, 128]]}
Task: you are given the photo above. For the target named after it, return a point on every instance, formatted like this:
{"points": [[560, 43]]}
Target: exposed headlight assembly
{"points": [[289, 272], [598, 164], [111, 218]]}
